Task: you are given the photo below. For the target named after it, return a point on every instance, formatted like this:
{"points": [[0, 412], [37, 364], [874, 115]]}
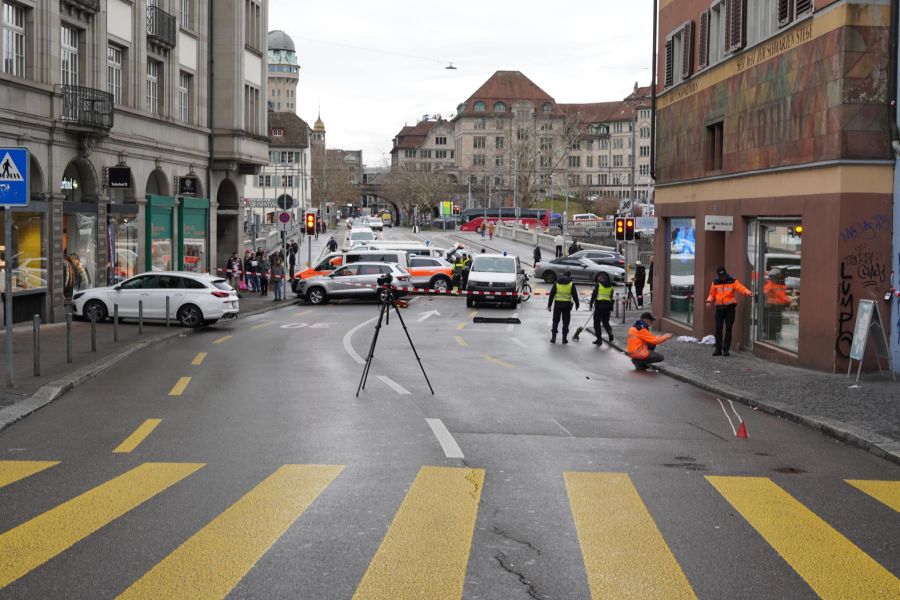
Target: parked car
{"points": [[430, 272], [359, 280], [375, 224], [194, 298], [495, 273], [359, 235], [581, 269], [601, 257]]}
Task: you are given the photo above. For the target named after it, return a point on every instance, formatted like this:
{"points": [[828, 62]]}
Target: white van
{"points": [[359, 235], [411, 248], [399, 257]]}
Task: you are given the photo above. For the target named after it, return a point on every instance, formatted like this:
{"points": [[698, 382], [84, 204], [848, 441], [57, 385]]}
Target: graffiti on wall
{"points": [[866, 229], [845, 313], [869, 267]]}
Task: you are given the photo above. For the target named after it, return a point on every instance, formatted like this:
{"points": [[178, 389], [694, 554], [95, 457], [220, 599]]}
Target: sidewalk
{"points": [[866, 415]]}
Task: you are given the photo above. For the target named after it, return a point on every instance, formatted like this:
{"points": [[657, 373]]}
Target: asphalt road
{"points": [[534, 471]]}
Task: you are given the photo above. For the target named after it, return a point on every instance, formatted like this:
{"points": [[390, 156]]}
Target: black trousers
{"points": [[724, 318], [562, 310], [639, 292], [558, 251], [264, 285], [653, 357], [602, 312]]}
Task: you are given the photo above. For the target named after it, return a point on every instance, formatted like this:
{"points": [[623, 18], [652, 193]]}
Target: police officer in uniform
{"points": [[721, 295], [602, 305], [564, 294]]}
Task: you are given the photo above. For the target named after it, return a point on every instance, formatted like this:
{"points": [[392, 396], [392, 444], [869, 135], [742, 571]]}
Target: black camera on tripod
{"points": [[385, 280]]}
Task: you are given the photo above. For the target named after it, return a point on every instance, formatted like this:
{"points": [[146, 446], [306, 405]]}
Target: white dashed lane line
{"points": [[394, 385], [445, 439]]}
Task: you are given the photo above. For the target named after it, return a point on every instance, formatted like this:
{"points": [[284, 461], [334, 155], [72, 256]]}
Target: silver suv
{"points": [[359, 280]]}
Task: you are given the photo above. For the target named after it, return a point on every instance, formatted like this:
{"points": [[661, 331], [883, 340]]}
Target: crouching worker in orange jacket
{"points": [[642, 344]]}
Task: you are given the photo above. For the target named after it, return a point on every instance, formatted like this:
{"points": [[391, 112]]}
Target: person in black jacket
{"points": [[537, 254], [564, 294], [573, 248], [602, 305], [640, 280]]}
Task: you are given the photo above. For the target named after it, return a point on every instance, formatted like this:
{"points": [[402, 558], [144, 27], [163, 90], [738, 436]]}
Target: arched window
{"points": [[548, 107], [499, 107], [479, 106]]}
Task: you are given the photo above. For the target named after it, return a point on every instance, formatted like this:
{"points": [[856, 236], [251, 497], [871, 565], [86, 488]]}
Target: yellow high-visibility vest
{"points": [[564, 292], [604, 293]]}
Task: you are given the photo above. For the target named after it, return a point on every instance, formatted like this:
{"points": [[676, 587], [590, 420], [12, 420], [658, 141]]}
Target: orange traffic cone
{"points": [[742, 431]]}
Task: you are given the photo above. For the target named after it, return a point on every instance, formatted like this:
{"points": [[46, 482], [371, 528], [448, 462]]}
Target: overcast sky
{"points": [[375, 66]]}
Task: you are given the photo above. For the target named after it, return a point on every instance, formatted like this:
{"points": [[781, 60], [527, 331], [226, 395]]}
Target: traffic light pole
{"points": [[308, 251]]}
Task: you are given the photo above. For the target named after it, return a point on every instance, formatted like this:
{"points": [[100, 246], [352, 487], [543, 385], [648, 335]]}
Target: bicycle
{"points": [[525, 294]]}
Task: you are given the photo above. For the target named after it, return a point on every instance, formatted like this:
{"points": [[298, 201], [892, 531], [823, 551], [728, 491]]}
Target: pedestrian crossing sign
{"points": [[14, 177]]}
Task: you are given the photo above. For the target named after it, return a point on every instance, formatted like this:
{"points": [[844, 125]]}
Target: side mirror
{"points": [[118, 287]]}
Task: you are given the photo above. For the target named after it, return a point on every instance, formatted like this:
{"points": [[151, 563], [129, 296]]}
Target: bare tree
{"points": [[412, 187], [334, 181]]}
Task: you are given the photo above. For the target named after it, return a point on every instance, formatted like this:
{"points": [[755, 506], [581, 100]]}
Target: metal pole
{"points": [[140, 317], [116, 323], [308, 251], [93, 331], [37, 345], [167, 311], [68, 337], [8, 303]]}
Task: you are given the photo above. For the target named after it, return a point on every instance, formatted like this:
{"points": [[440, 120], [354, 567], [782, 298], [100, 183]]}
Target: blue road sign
{"points": [[14, 177]]}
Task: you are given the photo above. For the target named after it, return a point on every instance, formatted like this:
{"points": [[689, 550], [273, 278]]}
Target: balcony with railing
{"points": [[160, 27], [90, 6], [87, 107]]}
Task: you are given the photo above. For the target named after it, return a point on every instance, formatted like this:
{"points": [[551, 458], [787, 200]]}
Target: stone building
{"points": [[284, 73], [774, 160], [129, 169]]}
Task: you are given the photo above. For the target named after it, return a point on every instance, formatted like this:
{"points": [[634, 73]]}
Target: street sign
{"points": [[262, 202], [646, 222], [284, 221], [285, 202], [14, 177], [718, 223]]}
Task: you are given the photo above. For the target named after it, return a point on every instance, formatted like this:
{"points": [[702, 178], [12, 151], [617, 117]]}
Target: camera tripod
{"points": [[387, 302]]}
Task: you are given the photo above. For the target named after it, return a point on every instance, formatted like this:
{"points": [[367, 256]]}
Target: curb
{"points": [[56, 389], [884, 447]]}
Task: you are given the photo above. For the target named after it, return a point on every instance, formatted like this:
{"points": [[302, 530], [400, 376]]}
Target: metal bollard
{"points": [[116, 323], [37, 345], [140, 317], [167, 311], [93, 331], [69, 338], [616, 305]]}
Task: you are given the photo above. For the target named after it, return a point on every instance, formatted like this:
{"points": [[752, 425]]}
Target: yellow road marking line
{"points": [[625, 555], [830, 563], [461, 326], [222, 339], [497, 361], [139, 435], [460, 341], [12, 471], [261, 325], [474, 314], [198, 360], [179, 387], [34, 542], [215, 559], [414, 560], [886, 492]]}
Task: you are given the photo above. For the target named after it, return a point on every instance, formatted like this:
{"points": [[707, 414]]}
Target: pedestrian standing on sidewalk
{"points": [[640, 280], [491, 229], [293, 251], [558, 241], [642, 344], [233, 268], [263, 275], [332, 245], [573, 248], [602, 305], [537, 254], [483, 229], [563, 296], [721, 295], [278, 278], [250, 271]]}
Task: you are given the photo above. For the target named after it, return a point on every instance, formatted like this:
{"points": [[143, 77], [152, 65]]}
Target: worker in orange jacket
{"points": [[642, 344], [721, 295]]}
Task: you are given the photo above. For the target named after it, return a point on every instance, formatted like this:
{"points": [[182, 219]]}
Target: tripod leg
{"points": [[411, 345], [365, 373]]}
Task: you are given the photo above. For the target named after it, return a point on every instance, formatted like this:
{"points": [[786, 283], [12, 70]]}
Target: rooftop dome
{"points": [[279, 40], [319, 125]]}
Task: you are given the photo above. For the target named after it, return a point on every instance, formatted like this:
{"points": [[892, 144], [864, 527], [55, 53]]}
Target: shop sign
{"points": [[262, 203], [718, 223], [68, 184], [119, 178], [186, 186]]}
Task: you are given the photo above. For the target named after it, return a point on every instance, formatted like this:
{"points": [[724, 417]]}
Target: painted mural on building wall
{"points": [[795, 99]]}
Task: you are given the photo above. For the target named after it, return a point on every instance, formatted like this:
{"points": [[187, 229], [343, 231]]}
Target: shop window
{"points": [[79, 251], [682, 253], [714, 146], [122, 247], [774, 249], [26, 258]]}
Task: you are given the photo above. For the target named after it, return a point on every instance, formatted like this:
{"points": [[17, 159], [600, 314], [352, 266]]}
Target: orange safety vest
{"points": [[776, 293], [639, 342], [722, 294]]}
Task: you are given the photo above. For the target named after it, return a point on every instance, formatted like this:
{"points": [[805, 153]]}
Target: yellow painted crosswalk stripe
{"points": [[139, 435], [198, 360], [261, 325], [180, 386], [12, 471], [460, 341], [33, 543], [222, 339], [497, 361], [830, 563], [886, 492], [426, 550], [625, 555], [212, 562]]}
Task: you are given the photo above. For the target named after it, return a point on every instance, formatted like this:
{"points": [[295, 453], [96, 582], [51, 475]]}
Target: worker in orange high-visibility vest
{"points": [[642, 344], [721, 295]]}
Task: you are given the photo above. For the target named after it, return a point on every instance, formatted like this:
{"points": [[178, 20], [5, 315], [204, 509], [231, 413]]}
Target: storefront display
{"points": [[774, 251], [682, 252], [79, 249], [159, 233], [193, 215], [27, 258], [121, 246]]}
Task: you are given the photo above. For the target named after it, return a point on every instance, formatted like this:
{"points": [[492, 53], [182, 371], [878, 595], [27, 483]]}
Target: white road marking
{"points": [[510, 326], [293, 326], [431, 313], [348, 341], [394, 385], [519, 342], [448, 444], [733, 430], [563, 428]]}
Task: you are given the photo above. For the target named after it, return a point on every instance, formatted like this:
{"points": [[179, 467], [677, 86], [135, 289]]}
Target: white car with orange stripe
{"points": [[430, 272]]}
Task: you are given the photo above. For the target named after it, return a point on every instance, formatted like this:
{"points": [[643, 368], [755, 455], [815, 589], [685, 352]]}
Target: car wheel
{"points": [[190, 316], [98, 309], [550, 277], [317, 296], [441, 284]]}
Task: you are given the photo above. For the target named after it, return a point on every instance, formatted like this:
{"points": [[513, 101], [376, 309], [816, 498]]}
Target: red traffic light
{"points": [[629, 230], [310, 223]]}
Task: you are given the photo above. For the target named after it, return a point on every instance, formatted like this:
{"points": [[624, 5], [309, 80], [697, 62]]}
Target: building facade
{"points": [[112, 98], [774, 160], [284, 73]]}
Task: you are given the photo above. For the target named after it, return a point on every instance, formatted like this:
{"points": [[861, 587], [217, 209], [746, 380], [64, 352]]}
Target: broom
{"points": [[580, 329]]}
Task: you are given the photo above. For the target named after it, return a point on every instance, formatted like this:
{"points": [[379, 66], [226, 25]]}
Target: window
{"points": [[618, 127], [712, 35], [645, 150], [761, 20], [251, 109], [289, 181], [13, 40], [546, 144], [252, 24], [618, 143], [644, 169], [546, 126], [644, 113], [590, 179], [478, 160], [521, 134], [440, 154], [479, 106], [735, 25], [604, 144], [498, 161], [602, 179], [498, 143], [617, 160], [424, 153], [186, 13], [590, 162], [714, 146], [114, 57], [409, 153], [574, 162], [480, 124], [478, 141], [153, 69], [185, 84], [277, 132], [69, 57], [680, 54], [575, 145], [440, 141], [499, 107], [774, 248], [792, 10], [603, 161], [547, 108], [645, 132]]}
